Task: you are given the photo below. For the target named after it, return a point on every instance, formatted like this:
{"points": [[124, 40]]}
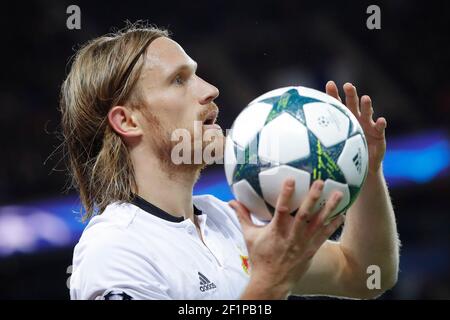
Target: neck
{"points": [[167, 186]]}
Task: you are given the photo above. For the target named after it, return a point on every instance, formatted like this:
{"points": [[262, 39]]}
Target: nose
{"points": [[209, 92]]}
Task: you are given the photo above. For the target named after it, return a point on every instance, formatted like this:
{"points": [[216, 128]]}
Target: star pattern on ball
{"points": [[322, 165], [290, 102]]}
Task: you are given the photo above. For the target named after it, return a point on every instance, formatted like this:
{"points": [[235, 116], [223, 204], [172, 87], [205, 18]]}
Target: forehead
{"points": [[164, 55]]}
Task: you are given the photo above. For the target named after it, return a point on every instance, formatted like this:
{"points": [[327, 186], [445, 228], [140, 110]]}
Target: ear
{"points": [[124, 122]]}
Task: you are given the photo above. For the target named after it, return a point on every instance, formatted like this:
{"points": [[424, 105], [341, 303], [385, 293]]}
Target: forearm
{"points": [[370, 233]]}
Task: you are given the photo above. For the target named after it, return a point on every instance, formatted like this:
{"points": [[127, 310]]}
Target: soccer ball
{"points": [[299, 133]]}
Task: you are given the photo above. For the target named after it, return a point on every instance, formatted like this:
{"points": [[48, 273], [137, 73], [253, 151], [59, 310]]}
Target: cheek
{"points": [[171, 120], [181, 123], [187, 120], [174, 111]]}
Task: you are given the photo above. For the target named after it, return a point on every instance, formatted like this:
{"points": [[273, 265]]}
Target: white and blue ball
{"points": [[300, 133]]}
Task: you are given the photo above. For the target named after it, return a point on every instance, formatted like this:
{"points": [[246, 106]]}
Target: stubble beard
{"points": [[163, 145]]}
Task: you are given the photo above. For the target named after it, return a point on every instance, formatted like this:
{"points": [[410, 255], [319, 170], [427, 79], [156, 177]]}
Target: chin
{"points": [[213, 151]]}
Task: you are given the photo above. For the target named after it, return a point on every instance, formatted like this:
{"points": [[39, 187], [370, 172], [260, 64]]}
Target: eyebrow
{"points": [[186, 66]]}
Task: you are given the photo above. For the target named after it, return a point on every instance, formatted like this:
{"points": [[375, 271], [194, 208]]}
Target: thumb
{"points": [[243, 215]]}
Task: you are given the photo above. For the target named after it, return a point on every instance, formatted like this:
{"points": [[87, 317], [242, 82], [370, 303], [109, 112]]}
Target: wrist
{"points": [[376, 173], [264, 289]]}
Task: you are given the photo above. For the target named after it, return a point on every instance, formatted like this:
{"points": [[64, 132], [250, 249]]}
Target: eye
{"points": [[179, 80]]}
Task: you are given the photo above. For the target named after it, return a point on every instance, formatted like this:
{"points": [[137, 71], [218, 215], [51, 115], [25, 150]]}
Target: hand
{"points": [[363, 111], [281, 251]]}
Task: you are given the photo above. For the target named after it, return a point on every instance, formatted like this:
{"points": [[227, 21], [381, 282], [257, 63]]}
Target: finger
{"points": [[243, 215], [332, 90], [381, 125], [281, 217], [329, 207], [306, 211], [366, 109], [328, 231], [351, 99]]}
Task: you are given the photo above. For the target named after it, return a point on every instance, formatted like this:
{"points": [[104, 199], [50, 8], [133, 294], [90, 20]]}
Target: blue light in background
{"points": [[413, 159], [418, 166], [417, 158], [216, 184]]}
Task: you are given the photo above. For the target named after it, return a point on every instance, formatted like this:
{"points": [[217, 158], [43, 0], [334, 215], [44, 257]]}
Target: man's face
{"points": [[175, 96]]}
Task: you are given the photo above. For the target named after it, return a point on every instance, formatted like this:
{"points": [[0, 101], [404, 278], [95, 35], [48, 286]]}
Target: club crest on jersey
{"points": [[245, 264]]}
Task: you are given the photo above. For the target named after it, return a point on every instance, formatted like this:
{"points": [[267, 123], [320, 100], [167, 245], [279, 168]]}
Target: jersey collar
{"points": [[158, 212]]}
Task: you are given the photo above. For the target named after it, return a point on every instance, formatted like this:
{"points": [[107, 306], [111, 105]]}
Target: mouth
{"points": [[211, 118]]}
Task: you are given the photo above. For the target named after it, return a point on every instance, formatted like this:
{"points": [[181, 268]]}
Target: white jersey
{"points": [[138, 251]]}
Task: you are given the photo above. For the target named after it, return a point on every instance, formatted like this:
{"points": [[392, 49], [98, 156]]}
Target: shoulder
{"points": [[109, 228], [110, 253], [116, 230]]}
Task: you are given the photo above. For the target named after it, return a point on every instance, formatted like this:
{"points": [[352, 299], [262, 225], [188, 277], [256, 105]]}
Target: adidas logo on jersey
{"points": [[205, 284]]}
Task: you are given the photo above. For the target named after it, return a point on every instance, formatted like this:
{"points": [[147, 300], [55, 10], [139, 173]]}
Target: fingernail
{"points": [[319, 185]]}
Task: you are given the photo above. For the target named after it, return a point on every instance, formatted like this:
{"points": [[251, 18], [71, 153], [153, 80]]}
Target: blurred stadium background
{"points": [[244, 48]]}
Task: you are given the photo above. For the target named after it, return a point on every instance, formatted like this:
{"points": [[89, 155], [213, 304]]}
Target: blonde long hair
{"points": [[103, 74]]}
